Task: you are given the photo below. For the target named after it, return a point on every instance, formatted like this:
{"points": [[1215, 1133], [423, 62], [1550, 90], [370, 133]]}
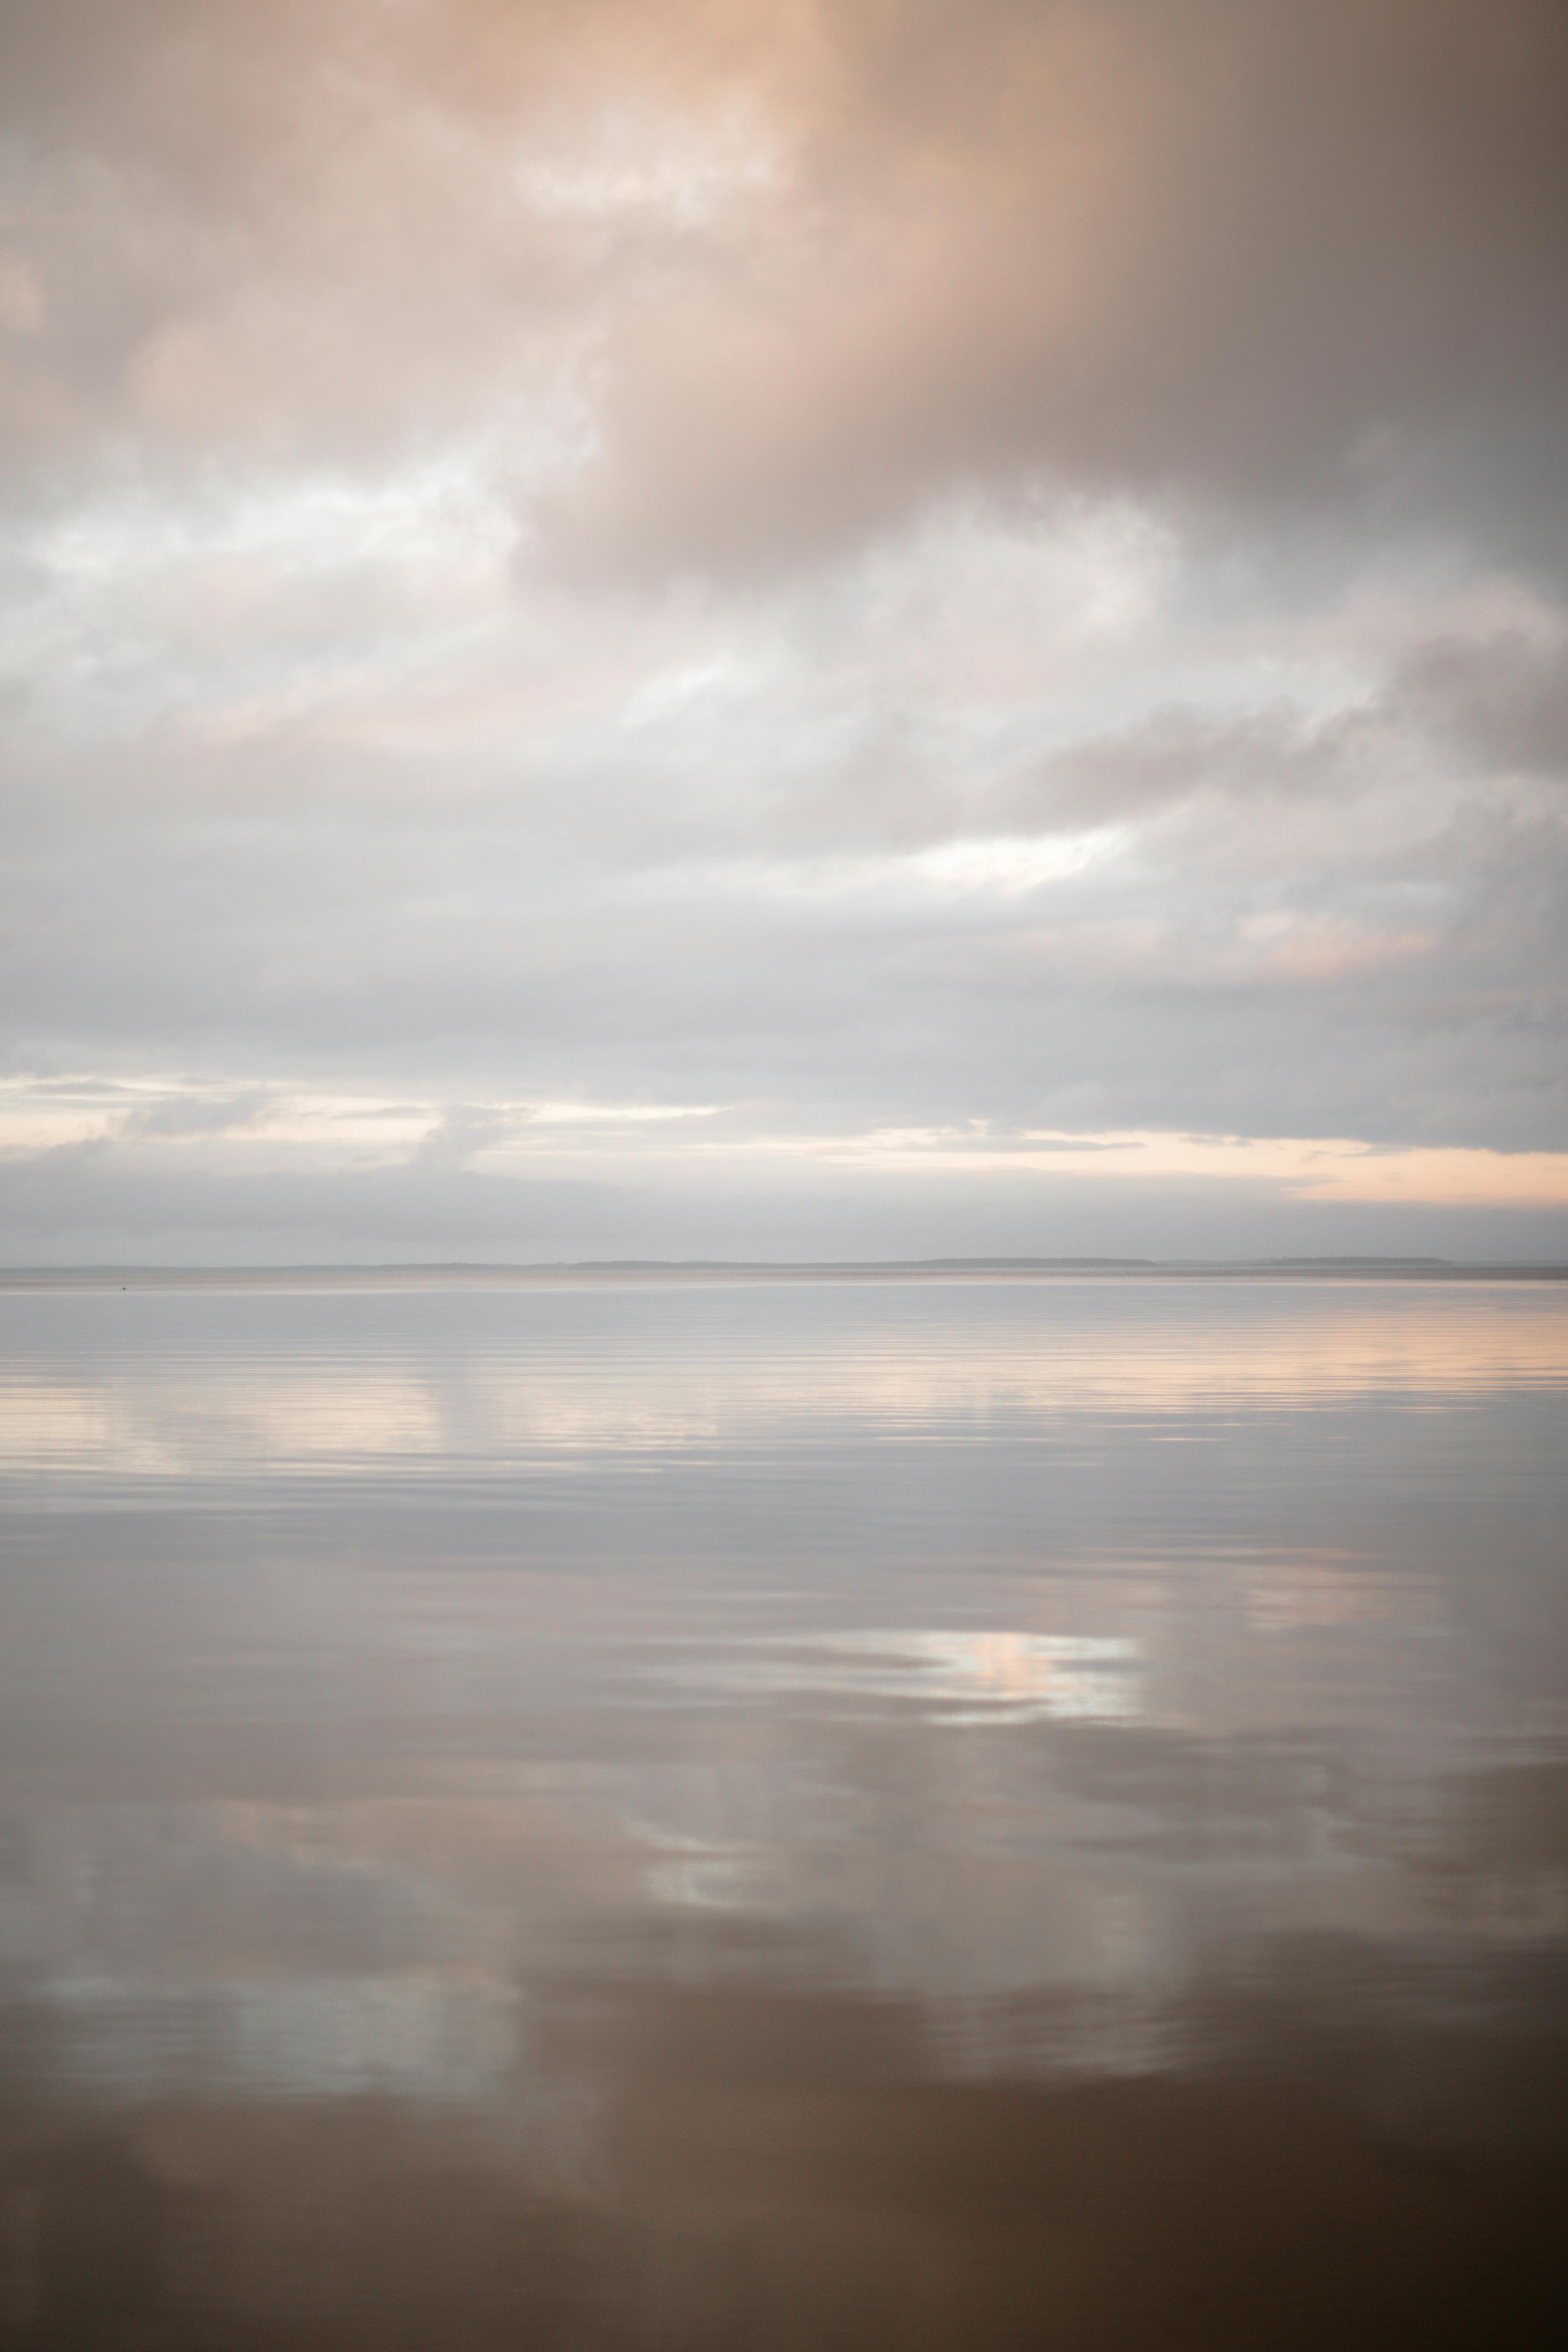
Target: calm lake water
{"points": [[765, 1814]]}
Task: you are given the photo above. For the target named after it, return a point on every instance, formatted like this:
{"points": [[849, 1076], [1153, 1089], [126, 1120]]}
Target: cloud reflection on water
{"points": [[534, 1382], [895, 1750]]}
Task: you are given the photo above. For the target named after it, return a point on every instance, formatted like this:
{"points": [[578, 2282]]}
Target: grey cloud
{"points": [[1178, 753], [1232, 250], [1501, 699], [1271, 255], [240, 236], [179, 1115], [105, 1093], [87, 1203], [312, 783], [1328, 925], [461, 1131], [80, 1208], [1396, 973], [1497, 703]]}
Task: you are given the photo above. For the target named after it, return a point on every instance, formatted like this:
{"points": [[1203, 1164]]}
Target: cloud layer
{"points": [[666, 602]]}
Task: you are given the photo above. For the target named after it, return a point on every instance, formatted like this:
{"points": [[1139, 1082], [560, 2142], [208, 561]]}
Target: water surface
{"points": [[719, 1812]]}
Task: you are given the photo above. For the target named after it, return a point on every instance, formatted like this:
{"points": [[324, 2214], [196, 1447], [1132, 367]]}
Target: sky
{"points": [[837, 628]]}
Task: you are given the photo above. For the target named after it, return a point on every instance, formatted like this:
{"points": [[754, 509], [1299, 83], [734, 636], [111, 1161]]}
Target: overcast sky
{"points": [[784, 627]]}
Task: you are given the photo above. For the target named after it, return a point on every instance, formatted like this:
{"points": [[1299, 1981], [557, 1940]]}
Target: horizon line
{"points": [[1323, 1262]]}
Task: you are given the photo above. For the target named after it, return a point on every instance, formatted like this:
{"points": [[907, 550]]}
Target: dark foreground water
{"points": [[811, 1815]]}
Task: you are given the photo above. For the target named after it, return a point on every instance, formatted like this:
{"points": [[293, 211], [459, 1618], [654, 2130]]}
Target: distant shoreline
{"points": [[475, 1275]]}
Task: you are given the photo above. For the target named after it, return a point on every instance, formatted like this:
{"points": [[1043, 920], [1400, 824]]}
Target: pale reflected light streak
{"points": [[953, 1678], [193, 1414]]}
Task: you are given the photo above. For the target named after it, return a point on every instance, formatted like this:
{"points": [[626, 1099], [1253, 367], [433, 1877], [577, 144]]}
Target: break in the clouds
{"points": [[861, 627]]}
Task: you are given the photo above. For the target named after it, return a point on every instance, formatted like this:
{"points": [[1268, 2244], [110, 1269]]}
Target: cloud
{"points": [[181, 1115], [849, 567], [793, 272], [1271, 257], [1501, 700], [460, 1134], [83, 1206]]}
